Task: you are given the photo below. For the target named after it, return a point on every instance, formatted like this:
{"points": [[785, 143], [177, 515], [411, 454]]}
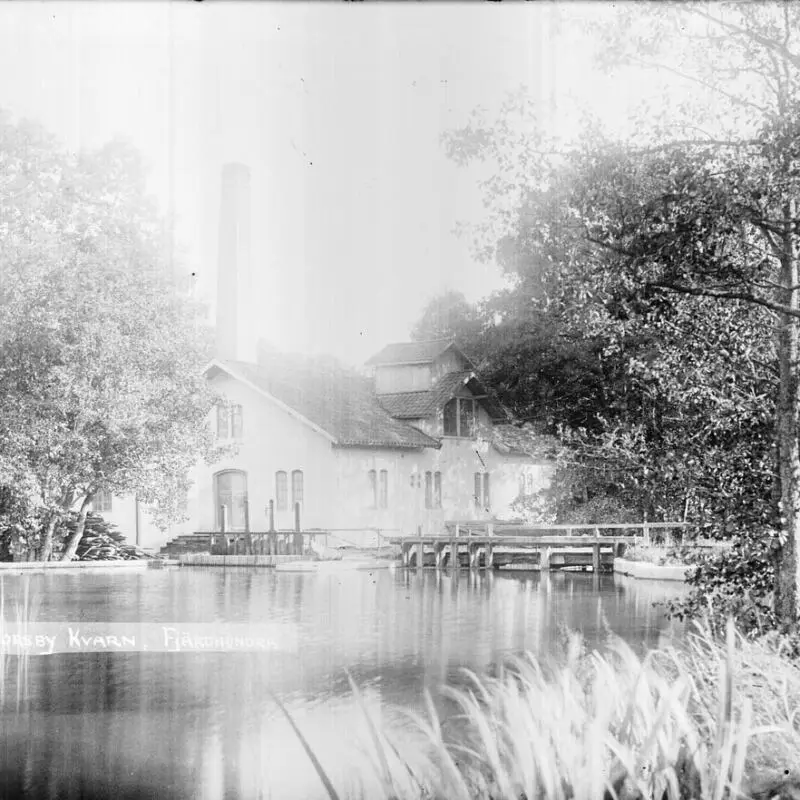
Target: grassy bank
{"points": [[709, 720]]}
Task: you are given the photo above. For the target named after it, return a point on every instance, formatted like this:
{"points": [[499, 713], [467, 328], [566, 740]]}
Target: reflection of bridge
{"points": [[489, 545]]}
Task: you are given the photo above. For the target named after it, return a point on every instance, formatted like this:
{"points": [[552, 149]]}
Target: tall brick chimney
{"points": [[236, 337]]}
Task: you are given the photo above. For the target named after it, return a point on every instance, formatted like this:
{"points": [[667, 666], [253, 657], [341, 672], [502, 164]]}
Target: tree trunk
{"points": [[47, 544], [75, 539], [787, 578]]}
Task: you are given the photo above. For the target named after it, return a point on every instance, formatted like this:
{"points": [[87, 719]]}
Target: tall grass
{"points": [[711, 719]]}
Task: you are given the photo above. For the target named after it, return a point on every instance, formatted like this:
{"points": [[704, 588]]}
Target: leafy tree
{"points": [[693, 224], [448, 315], [100, 352]]}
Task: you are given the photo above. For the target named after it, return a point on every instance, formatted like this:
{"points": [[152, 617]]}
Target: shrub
{"points": [[737, 582]]}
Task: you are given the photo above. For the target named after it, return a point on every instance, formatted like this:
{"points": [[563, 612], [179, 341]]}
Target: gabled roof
{"points": [[418, 405], [413, 352], [332, 400]]}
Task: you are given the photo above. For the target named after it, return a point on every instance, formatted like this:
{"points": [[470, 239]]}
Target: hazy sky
{"points": [[337, 109]]}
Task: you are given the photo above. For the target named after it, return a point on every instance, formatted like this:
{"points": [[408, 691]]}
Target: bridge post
{"points": [[489, 560], [405, 550], [544, 559], [474, 555], [596, 558], [454, 550], [438, 555], [420, 547]]}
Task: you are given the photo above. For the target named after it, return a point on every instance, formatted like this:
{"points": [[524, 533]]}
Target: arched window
{"points": [[281, 491], [230, 499], [297, 487]]}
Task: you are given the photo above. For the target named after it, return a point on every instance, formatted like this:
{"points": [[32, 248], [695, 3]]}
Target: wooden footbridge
{"points": [[491, 544]]}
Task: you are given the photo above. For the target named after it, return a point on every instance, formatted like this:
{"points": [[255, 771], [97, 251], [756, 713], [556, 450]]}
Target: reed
{"points": [[711, 719]]}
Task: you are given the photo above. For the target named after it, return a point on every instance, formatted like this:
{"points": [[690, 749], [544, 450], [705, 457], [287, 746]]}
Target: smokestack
{"points": [[236, 338]]}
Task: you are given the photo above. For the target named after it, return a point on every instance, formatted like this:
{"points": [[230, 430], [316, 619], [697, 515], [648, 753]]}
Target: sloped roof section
{"points": [[419, 405], [411, 352], [336, 400], [409, 405]]}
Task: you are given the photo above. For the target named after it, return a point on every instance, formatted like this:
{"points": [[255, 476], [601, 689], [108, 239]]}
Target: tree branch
{"points": [[694, 79], [765, 41], [747, 297]]}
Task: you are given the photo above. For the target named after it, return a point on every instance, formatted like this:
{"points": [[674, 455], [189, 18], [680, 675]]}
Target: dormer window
{"points": [[459, 417]]}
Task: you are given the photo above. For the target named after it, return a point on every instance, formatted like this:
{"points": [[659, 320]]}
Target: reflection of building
{"points": [[415, 440]]}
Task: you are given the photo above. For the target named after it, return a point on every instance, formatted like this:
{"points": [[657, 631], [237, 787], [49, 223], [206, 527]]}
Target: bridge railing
{"points": [[649, 531]]}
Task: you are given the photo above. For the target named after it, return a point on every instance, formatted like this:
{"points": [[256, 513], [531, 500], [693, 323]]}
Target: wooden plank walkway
{"points": [[481, 541], [204, 560]]}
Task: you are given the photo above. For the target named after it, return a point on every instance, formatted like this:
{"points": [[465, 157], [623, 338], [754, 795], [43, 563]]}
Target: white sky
{"points": [[337, 109]]}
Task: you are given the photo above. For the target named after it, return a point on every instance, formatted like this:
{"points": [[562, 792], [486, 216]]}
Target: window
{"points": [[459, 417], [297, 487], [236, 422], [482, 500], [281, 491], [466, 417], [102, 502], [433, 490], [373, 488], [526, 483], [384, 489], [229, 422], [222, 422], [451, 418]]}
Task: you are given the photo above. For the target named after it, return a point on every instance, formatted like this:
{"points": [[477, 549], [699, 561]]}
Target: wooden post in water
{"points": [[272, 545], [438, 555], [489, 559], [544, 559], [474, 555], [298, 537], [596, 558], [406, 554], [223, 524], [454, 549], [248, 539], [420, 547]]}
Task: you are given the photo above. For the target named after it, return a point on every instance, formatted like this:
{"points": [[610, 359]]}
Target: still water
{"points": [[204, 725]]}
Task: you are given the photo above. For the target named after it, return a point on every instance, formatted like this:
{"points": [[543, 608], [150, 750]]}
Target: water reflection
{"points": [[191, 725]]}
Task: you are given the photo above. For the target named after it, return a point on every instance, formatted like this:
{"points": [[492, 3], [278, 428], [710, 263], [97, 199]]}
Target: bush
{"points": [[738, 582]]}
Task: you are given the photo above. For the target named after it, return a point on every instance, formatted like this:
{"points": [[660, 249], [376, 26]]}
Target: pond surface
{"points": [[204, 725]]}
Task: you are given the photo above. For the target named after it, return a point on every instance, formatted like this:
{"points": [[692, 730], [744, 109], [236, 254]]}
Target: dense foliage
{"points": [[652, 319], [100, 349]]}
